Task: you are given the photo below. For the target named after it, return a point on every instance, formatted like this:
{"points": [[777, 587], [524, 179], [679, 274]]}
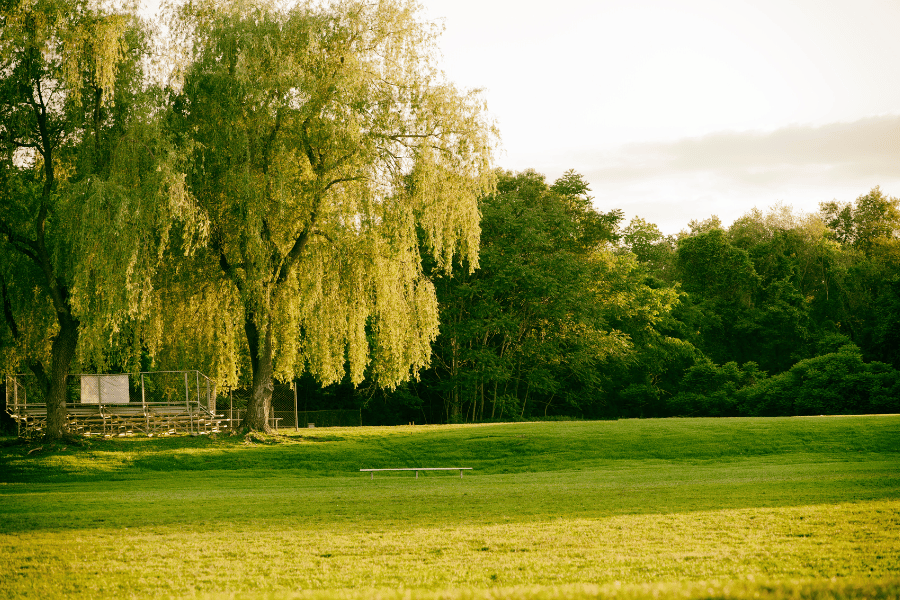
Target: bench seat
{"points": [[417, 469]]}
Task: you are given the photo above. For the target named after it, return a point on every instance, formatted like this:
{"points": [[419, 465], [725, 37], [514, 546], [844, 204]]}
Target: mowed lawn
{"points": [[685, 508]]}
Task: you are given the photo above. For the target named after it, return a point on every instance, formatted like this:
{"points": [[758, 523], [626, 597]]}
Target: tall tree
{"points": [[527, 332], [87, 196], [650, 247], [867, 262], [325, 143], [866, 221]]}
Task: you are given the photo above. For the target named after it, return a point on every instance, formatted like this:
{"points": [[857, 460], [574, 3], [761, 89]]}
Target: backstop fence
{"points": [[285, 412]]}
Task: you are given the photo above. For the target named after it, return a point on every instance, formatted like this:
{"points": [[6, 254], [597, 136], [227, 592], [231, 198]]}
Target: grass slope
{"points": [[697, 508]]}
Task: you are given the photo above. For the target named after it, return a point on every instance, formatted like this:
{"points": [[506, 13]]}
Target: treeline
{"points": [[295, 193], [573, 313]]}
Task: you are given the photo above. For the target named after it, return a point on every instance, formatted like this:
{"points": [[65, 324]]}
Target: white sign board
{"points": [[104, 389]]}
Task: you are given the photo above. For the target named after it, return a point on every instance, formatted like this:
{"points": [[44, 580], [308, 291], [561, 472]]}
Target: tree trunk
{"points": [[454, 412], [494, 405], [260, 404], [62, 354], [525, 401]]}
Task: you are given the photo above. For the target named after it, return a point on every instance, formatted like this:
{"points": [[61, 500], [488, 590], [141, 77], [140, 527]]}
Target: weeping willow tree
{"points": [[88, 194], [328, 154]]}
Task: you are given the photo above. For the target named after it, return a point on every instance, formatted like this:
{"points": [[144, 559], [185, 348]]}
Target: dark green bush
{"points": [[710, 390], [835, 383]]}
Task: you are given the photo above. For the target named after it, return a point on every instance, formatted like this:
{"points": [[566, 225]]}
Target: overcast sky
{"points": [[678, 109]]}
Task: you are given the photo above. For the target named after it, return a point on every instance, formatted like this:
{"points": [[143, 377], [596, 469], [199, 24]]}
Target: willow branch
{"points": [[227, 268], [21, 243], [7, 309]]}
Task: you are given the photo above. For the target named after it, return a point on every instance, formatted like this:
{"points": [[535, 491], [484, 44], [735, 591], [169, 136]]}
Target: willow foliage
{"points": [[91, 191], [326, 150], [85, 183]]}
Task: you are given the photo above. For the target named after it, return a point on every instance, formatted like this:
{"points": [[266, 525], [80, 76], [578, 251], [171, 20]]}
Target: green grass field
{"points": [[682, 508]]}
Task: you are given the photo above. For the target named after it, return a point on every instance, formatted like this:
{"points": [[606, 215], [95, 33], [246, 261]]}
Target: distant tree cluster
{"points": [[575, 315]]}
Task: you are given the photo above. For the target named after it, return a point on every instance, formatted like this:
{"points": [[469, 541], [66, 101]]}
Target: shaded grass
{"points": [[776, 507], [490, 449], [631, 488]]}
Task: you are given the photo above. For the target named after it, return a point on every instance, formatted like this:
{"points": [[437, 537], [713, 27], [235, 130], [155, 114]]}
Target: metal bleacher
{"points": [[152, 403]]}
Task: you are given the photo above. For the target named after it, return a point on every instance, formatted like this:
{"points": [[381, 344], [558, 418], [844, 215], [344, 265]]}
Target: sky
{"points": [[676, 110]]}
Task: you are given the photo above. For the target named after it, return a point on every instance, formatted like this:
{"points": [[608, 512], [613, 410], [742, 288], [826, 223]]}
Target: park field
{"points": [[677, 508]]}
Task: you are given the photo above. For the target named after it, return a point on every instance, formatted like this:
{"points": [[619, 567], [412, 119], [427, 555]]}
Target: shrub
{"points": [[834, 383], [710, 390]]}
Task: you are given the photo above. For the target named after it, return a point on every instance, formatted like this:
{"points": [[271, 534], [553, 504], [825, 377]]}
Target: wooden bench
{"points": [[417, 469]]}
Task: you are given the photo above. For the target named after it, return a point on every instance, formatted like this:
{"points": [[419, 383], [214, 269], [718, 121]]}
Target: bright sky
{"points": [[678, 109]]}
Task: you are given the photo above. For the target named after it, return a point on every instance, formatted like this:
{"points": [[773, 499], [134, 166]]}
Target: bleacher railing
{"points": [[157, 402], [151, 401]]}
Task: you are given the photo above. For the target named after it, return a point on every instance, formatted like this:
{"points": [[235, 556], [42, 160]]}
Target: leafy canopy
{"points": [[324, 145]]}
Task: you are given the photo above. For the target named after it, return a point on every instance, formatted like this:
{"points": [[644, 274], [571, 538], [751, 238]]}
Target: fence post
{"points": [[187, 402], [15, 381], [144, 406], [296, 422], [212, 390], [199, 416]]}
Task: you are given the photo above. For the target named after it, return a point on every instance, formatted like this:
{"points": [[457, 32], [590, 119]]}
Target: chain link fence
{"points": [[284, 412], [190, 388]]}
